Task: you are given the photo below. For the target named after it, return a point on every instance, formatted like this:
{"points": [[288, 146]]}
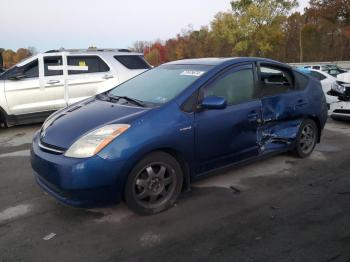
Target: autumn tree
{"points": [[265, 28], [10, 57]]}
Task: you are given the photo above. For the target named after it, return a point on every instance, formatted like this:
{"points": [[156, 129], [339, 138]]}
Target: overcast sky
{"points": [[47, 24]]}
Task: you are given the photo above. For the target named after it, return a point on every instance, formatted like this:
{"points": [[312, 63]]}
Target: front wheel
{"points": [[306, 139], [154, 184]]}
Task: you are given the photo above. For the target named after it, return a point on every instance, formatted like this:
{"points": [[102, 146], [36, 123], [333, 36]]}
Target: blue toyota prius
{"points": [[147, 139]]}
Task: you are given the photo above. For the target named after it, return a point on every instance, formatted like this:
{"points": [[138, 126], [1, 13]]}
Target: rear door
{"points": [[228, 135], [284, 107], [92, 76]]}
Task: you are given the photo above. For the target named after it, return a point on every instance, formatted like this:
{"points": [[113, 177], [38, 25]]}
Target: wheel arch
{"points": [[175, 154], [319, 128]]}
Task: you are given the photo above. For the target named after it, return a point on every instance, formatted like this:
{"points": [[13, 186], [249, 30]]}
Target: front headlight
{"points": [[92, 143], [338, 88]]}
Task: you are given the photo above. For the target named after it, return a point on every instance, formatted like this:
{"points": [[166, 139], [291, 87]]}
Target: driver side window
{"points": [[236, 87], [31, 70]]}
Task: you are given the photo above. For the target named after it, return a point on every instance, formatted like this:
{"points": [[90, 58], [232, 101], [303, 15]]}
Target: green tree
{"points": [[260, 25]]}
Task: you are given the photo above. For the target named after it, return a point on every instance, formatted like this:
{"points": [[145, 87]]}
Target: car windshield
{"points": [[161, 84], [332, 66]]}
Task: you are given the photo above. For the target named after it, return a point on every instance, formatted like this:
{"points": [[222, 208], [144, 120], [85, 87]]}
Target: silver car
{"points": [[39, 85]]}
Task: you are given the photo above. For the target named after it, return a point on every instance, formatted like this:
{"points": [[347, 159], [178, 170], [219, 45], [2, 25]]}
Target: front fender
{"points": [[167, 129]]}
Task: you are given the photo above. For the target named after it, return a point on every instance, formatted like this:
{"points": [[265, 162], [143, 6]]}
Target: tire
{"points": [[154, 184], [306, 139]]}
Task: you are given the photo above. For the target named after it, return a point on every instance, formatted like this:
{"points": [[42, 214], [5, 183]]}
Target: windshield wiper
{"points": [[129, 99]]}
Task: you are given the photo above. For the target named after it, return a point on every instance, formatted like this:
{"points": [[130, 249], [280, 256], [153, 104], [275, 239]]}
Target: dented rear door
{"points": [[283, 108]]}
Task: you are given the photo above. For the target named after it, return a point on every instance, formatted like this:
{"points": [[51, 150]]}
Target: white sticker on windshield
{"points": [[191, 73]]}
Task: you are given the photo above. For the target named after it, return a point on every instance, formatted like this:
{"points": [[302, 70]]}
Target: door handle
{"points": [[107, 76], [51, 82]]}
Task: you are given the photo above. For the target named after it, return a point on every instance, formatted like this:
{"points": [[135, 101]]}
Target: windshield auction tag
{"points": [[192, 73]]}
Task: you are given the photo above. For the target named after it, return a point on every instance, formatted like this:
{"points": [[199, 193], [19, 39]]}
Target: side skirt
{"points": [[32, 118], [241, 163]]}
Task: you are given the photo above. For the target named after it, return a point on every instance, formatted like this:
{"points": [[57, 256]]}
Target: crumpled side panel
{"points": [[276, 136], [280, 123]]}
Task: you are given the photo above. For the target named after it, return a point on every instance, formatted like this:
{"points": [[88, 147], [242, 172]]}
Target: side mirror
{"points": [[214, 102]]}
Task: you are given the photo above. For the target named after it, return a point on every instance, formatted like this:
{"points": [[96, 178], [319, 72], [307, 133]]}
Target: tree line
{"points": [[10, 57], [264, 28]]}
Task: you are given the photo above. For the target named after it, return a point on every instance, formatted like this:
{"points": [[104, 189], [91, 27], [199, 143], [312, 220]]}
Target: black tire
{"points": [[306, 139], [3, 122], [154, 184]]}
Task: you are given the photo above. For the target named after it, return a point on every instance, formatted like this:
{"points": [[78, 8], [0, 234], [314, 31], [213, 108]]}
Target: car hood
{"points": [[344, 77], [64, 127]]}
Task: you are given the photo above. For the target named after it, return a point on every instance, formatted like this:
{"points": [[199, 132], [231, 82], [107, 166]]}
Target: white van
{"points": [[39, 85]]}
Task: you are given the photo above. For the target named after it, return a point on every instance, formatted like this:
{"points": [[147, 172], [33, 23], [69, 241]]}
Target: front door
{"points": [[228, 135], [23, 94]]}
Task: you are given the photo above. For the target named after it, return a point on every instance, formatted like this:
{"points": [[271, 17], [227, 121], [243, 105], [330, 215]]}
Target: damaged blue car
{"points": [[149, 138]]}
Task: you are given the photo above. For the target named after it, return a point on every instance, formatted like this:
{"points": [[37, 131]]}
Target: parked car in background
{"points": [[330, 69], [337, 93], [344, 77], [316, 67], [327, 82], [150, 137], [34, 88], [341, 109]]}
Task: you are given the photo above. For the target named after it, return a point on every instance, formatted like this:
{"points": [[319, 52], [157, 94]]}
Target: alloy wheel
{"points": [[307, 139], [154, 185]]}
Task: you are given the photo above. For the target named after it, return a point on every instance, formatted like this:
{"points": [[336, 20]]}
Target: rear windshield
{"points": [[132, 61], [161, 84]]}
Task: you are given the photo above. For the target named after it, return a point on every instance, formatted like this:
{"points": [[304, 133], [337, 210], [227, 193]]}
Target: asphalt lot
{"points": [[287, 210]]}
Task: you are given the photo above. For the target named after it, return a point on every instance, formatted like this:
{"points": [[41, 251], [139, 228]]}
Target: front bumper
{"points": [[340, 110], [77, 182]]}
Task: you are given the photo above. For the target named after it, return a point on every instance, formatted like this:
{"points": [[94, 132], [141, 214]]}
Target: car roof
{"points": [[114, 51], [216, 61]]}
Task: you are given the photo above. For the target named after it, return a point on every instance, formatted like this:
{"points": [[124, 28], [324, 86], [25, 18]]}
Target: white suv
{"points": [[39, 85]]}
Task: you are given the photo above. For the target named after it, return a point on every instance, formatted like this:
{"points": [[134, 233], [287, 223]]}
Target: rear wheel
{"points": [[154, 184], [306, 139]]}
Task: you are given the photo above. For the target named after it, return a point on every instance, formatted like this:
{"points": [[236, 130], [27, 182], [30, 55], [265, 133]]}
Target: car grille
{"points": [[51, 149]]}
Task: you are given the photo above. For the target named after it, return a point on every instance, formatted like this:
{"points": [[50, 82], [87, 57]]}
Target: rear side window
{"points": [[316, 67], [132, 61], [52, 61], [275, 80], [317, 75], [94, 64]]}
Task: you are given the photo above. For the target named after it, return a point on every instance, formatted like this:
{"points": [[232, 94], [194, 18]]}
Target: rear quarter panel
{"points": [[318, 105]]}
